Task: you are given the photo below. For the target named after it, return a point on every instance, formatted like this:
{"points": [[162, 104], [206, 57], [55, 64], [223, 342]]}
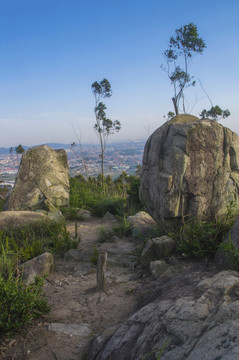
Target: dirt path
{"points": [[78, 311]]}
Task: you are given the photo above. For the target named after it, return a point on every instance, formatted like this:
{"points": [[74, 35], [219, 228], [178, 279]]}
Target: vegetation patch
{"points": [[201, 239]]}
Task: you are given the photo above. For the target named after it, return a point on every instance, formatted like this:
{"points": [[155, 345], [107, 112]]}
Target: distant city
{"points": [[83, 159]]}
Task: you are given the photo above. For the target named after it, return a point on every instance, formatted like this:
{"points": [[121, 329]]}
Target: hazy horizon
{"points": [[51, 53]]}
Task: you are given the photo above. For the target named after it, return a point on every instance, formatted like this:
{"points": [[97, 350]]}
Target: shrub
{"points": [[114, 205], [30, 241], [124, 228], [20, 304], [201, 239], [232, 253], [105, 235]]}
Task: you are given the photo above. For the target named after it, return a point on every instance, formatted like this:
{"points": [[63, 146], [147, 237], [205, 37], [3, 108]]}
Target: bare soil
{"points": [[73, 299]]}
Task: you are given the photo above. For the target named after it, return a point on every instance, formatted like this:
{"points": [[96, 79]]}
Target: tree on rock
{"points": [[103, 126], [215, 113], [182, 47], [19, 150]]}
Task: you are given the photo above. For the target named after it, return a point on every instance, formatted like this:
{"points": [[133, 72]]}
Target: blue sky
{"points": [[53, 50]]}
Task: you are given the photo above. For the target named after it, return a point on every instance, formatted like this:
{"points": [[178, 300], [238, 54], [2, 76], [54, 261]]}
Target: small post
{"points": [[101, 271]]}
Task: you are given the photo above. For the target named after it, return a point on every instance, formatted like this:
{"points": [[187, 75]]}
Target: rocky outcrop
{"points": [[190, 169], [193, 316], [42, 180]]}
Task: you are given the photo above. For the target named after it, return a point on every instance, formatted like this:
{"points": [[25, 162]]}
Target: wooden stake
{"points": [[101, 272]]}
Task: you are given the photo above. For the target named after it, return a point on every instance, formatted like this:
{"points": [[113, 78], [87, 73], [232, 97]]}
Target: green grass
{"points": [[21, 304], [201, 239]]}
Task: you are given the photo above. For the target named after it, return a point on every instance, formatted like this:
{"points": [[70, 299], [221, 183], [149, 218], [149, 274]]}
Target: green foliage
{"points": [[182, 46], [19, 150], [94, 257], [120, 196], [201, 239], [104, 235], [124, 228], [215, 113], [231, 252], [103, 126], [20, 304], [114, 205], [30, 241]]}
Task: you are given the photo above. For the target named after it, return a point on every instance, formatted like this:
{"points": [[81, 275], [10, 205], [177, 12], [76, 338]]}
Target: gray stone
{"points": [[16, 219], [43, 175], [85, 214], [82, 330], [158, 268], [190, 319], [157, 248], [142, 223], [190, 169], [109, 216], [73, 254], [38, 266]]}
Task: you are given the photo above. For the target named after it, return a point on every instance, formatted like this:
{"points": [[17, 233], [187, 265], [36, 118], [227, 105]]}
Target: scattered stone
{"points": [[73, 254], [16, 219], [158, 268], [142, 223], [157, 248], [109, 216], [85, 214], [56, 216], [82, 330], [190, 319], [190, 168], [38, 266], [43, 175]]}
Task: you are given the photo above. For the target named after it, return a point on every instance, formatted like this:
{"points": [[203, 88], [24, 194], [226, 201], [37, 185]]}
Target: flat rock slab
{"points": [[14, 219], [70, 329]]}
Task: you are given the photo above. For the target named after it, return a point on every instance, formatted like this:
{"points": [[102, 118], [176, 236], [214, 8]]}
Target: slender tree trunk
{"points": [[175, 105]]}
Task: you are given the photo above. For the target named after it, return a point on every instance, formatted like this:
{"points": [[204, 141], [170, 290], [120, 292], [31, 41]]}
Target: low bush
{"points": [[114, 205], [231, 252], [201, 239], [20, 304], [124, 228], [30, 241]]}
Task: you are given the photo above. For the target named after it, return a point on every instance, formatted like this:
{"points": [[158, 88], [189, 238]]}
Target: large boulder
{"points": [[42, 179], [194, 316], [190, 169]]}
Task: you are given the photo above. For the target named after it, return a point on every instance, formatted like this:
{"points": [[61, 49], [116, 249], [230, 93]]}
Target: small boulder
{"points": [[141, 223], [109, 217], [82, 330], [157, 248], [85, 214], [158, 268], [73, 254], [38, 266]]}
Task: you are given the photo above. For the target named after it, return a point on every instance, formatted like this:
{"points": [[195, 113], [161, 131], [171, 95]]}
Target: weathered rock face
{"points": [[194, 316], [42, 178], [190, 168]]}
